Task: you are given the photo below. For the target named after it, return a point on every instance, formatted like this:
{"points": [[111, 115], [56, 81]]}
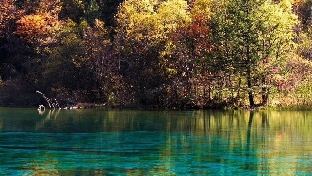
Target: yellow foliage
{"points": [[150, 20], [173, 13], [202, 8], [51, 6], [278, 22]]}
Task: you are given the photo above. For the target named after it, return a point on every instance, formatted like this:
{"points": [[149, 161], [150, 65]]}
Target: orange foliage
{"points": [[195, 34], [41, 25], [298, 2], [32, 27]]}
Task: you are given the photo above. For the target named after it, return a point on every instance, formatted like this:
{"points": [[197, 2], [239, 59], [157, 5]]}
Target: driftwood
{"points": [[52, 103]]}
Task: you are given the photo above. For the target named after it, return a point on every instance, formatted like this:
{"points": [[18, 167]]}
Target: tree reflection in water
{"points": [[63, 142], [50, 115]]}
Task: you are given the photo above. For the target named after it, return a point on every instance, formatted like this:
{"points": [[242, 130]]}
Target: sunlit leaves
{"points": [[37, 27], [179, 48], [52, 6], [278, 23], [202, 8], [143, 28], [42, 25], [277, 35], [254, 33], [184, 58], [171, 14], [150, 21]]}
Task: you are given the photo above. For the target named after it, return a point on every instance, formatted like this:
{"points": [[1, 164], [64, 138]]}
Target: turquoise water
{"points": [[99, 142]]}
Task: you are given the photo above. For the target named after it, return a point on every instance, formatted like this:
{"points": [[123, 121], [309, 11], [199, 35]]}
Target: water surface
{"points": [[100, 142]]}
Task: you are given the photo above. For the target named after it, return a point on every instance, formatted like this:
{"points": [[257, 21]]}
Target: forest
{"points": [[156, 54]]}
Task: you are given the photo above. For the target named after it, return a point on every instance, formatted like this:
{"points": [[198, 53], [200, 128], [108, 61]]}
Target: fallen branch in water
{"points": [[52, 104]]}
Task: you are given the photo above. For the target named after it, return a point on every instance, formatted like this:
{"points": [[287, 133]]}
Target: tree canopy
{"points": [[155, 53]]}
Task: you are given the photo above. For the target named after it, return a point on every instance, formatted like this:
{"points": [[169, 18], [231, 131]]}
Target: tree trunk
{"points": [[264, 91], [249, 85]]}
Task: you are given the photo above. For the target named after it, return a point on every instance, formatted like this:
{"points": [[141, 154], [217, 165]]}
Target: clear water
{"points": [[99, 142]]}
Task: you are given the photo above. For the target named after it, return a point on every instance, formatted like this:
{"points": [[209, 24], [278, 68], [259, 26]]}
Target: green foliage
{"points": [[251, 37], [92, 11]]}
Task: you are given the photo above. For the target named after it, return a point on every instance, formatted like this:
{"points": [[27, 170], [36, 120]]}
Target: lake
{"points": [[126, 142]]}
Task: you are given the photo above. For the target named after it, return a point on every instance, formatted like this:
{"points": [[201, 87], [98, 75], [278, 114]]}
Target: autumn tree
{"points": [[303, 9], [57, 49], [253, 37], [103, 62], [15, 61], [40, 26], [142, 31], [184, 58]]}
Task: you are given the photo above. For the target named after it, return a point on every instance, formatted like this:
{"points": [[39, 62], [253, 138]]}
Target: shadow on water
{"points": [[99, 142]]}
